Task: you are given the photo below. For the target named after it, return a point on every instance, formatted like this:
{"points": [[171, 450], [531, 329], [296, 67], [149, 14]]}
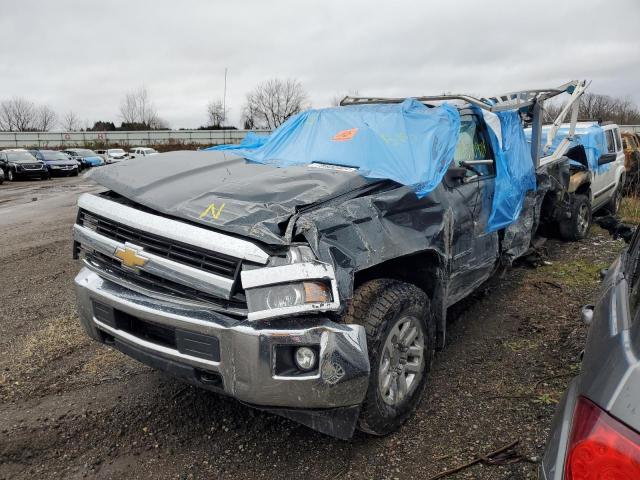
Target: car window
{"points": [[616, 136], [611, 144], [473, 144]]}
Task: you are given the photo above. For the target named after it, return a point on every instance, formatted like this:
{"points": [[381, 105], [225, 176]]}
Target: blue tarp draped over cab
{"points": [[515, 174], [407, 142]]}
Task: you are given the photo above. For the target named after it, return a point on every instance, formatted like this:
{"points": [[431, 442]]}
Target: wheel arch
{"points": [[426, 270]]}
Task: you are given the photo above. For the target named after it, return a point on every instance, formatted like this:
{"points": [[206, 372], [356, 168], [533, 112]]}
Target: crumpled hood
{"points": [[224, 191]]}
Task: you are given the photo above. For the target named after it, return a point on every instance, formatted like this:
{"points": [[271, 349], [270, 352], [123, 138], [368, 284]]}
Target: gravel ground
{"points": [[70, 408]]}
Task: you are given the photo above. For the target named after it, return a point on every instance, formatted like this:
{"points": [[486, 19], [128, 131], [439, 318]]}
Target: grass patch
{"points": [[630, 210], [521, 343], [576, 273], [104, 360]]}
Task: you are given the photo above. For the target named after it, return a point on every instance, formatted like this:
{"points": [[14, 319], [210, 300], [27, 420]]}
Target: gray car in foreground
{"points": [[595, 433]]}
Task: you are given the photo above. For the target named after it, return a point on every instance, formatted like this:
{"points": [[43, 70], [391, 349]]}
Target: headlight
{"points": [[274, 297], [291, 283]]}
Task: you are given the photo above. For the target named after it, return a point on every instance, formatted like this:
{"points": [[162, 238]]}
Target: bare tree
{"points": [[248, 117], [272, 102], [70, 122], [45, 118], [18, 114], [597, 107], [551, 111], [215, 113], [136, 108]]}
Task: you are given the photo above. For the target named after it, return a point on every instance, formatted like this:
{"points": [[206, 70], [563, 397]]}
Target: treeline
{"points": [[267, 106], [601, 108]]}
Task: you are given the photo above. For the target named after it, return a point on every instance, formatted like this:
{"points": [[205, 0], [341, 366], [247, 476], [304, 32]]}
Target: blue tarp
{"points": [[591, 137], [251, 140], [515, 174], [408, 142]]}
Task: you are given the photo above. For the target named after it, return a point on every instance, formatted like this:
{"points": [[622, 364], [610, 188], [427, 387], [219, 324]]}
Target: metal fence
{"points": [[129, 138], [139, 138]]}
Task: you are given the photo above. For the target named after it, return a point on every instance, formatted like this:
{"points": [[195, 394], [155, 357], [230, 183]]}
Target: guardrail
{"points": [[130, 138]]}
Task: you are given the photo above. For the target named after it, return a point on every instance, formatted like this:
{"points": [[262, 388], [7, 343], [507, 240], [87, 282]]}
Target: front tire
{"points": [[10, 176], [577, 227], [401, 344]]}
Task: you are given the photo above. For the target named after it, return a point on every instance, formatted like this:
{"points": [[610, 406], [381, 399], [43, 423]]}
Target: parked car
{"points": [[116, 155], [142, 152], [17, 164], [57, 163], [319, 290], [596, 428], [102, 154], [87, 157]]}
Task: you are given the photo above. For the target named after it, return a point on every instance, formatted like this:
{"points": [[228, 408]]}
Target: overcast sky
{"points": [[85, 55]]}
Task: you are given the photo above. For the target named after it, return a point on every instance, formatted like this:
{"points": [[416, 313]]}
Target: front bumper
{"points": [[24, 173], [245, 365]]}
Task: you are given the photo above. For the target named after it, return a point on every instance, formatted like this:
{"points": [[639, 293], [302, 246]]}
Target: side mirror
{"points": [[607, 158]]}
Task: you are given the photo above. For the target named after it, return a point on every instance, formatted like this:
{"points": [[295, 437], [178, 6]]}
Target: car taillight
{"points": [[601, 447]]}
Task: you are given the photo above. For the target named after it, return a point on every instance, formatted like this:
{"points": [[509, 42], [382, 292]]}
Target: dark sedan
{"points": [[21, 164], [596, 430], [57, 162]]}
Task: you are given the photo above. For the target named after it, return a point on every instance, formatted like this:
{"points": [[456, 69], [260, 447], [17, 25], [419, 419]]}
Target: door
{"points": [[604, 180], [474, 251]]}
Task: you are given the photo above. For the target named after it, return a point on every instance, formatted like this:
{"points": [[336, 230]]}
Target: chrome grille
{"points": [[212, 262], [159, 285]]}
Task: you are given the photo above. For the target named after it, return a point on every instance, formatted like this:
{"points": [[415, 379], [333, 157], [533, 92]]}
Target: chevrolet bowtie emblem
{"points": [[129, 257]]}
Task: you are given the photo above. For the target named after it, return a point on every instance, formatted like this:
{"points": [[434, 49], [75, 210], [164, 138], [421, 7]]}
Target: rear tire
{"points": [[10, 176], [577, 227], [401, 345]]}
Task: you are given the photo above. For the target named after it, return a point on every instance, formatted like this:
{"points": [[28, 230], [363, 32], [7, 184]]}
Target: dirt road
{"points": [[70, 408]]}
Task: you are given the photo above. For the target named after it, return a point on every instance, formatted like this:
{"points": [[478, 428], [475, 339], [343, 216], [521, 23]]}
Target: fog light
{"points": [[305, 358]]}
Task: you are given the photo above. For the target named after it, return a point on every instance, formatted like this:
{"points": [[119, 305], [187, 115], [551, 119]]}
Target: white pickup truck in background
{"points": [[596, 183]]}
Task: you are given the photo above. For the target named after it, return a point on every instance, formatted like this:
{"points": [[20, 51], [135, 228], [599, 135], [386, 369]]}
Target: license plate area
{"points": [[188, 343]]}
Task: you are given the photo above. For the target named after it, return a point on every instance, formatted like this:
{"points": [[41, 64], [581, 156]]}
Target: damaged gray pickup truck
{"points": [[312, 290]]}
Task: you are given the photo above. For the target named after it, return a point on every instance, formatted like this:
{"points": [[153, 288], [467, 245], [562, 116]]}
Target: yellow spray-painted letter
{"points": [[211, 209]]}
